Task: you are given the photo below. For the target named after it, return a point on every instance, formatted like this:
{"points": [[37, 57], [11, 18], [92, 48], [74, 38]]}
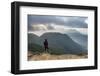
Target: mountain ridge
{"points": [[57, 40]]}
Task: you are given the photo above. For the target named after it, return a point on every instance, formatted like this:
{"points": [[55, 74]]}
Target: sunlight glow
{"points": [[41, 29]]}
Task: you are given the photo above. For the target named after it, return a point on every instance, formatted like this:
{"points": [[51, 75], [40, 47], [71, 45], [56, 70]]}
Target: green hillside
{"points": [[37, 49]]}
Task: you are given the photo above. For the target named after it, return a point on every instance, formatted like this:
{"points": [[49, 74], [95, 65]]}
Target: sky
{"points": [[40, 24]]}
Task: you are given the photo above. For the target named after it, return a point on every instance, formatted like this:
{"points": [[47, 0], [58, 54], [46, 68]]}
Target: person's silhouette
{"points": [[46, 45]]}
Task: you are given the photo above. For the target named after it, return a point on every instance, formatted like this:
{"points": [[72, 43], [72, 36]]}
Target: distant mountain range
{"points": [[57, 41], [79, 38]]}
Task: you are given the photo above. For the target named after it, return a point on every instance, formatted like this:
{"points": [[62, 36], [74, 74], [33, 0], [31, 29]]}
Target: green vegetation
{"points": [[37, 49]]}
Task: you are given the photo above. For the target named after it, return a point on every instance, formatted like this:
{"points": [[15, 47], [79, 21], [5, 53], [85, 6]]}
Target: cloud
{"points": [[47, 21], [37, 19], [78, 22], [38, 27]]}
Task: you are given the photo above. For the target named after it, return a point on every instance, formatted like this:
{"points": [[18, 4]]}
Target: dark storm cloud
{"points": [[32, 19], [78, 22], [74, 22]]}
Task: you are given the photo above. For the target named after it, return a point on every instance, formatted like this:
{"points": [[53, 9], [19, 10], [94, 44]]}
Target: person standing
{"points": [[46, 45]]}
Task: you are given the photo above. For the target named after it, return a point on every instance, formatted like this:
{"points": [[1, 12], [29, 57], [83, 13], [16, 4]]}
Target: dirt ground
{"points": [[47, 56]]}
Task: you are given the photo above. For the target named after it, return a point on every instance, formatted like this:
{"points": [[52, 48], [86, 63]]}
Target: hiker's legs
{"points": [[46, 49]]}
